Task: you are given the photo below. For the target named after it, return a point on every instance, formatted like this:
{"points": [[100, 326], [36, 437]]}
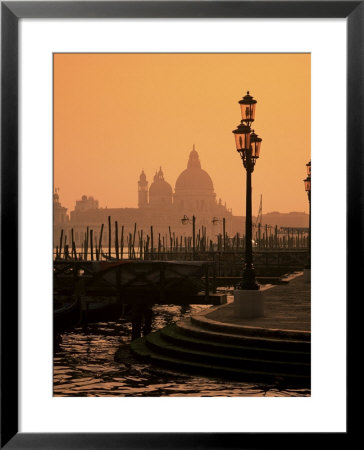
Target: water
{"points": [[84, 366]]}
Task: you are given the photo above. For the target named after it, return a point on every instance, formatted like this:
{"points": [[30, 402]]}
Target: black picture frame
{"points": [[11, 13]]}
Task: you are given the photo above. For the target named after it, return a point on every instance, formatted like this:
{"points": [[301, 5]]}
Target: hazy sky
{"points": [[116, 114]]}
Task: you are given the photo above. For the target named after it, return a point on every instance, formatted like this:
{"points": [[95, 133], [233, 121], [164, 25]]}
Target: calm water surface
{"points": [[84, 366]]}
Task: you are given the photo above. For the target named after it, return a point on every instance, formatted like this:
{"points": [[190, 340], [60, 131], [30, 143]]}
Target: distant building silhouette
{"points": [[142, 191], [86, 203], [60, 217], [163, 209]]}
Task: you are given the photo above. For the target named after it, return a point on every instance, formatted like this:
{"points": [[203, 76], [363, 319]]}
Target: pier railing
{"points": [[221, 264], [152, 280]]}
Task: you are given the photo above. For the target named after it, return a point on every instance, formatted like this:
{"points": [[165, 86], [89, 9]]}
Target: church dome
{"points": [[160, 192], [159, 185], [194, 178]]}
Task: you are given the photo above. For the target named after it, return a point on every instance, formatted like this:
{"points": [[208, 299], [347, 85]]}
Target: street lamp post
{"points": [[307, 182], [248, 146], [185, 220], [214, 221]]}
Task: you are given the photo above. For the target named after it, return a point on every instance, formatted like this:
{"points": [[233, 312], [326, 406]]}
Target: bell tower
{"points": [[142, 190], [59, 212]]}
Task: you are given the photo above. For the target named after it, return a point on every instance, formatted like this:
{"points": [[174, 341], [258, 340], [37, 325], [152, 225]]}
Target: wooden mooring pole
{"points": [[122, 242], [116, 239], [92, 244], [100, 239], [224, 232], [109, 222], [60, 243], [151, 242]]}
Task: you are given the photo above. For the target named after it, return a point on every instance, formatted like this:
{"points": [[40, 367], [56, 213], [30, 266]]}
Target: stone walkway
{"points": [[286, 307]]}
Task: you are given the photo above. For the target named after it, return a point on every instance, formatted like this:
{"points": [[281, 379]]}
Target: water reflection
{"points": [[84, 366]]}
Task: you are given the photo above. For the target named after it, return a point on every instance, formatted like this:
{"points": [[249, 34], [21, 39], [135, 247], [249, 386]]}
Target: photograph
{"points": [[157, 232], [181, 224]]}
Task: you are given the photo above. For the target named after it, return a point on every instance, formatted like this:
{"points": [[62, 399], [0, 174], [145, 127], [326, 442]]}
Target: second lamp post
{"points": [[248, 146], [307, 182]]}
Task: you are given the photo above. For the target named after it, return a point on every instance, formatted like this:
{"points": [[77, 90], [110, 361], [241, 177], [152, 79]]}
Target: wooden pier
{"points": [[136, 285]]}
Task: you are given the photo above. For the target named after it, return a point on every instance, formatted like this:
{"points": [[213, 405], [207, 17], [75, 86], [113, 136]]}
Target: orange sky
{"points": [[116, 114]]}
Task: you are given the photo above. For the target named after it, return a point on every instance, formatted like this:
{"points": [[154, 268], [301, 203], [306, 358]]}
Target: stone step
{"points": [[140, 349], [210, 344], [159, 345], [291, 335], [192, 328]]}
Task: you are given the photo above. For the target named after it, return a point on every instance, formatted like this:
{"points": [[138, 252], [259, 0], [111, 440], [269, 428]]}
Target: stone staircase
{"points": [[211, 348]]}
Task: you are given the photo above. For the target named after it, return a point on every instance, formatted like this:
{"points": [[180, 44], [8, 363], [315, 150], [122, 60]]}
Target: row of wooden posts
{"points": [[139, 245]]}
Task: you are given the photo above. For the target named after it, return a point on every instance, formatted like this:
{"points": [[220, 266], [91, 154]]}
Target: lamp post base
{"points": [[248, 281], [248, 303]]}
